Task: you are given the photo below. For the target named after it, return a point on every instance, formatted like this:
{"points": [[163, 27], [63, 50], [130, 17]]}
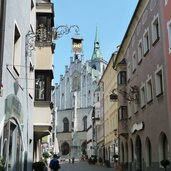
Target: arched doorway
{"points": [[148, 152], [65, 149], [122, 157], [83, 148], [163, 147], [138, 154], [12, 145], [131, 154]]}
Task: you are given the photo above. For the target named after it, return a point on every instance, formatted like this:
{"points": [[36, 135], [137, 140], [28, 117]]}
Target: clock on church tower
{"points": [[77, 45]]}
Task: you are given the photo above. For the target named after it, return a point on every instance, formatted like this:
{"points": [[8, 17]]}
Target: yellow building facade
{"points": [[110, 113]]}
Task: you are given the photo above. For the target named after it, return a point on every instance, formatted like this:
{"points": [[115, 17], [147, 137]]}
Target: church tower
{"points": [[97, 61]]}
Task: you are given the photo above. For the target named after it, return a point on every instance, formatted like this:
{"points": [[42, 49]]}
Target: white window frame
{"points": [[146, 41], [169, 35], [149, 89], [142, 95], [17, 51], [159, 84], [155, 28], [140, 51], [134, 62]]}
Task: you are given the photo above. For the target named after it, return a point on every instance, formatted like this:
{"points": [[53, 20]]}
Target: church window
{"points": [[98, 97], [89, 92], [76, 83], [85, 123], [94, 66], [66, 125]]}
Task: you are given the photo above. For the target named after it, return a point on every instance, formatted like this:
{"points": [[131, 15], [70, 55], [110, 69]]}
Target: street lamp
{"points": [[132, 95]]}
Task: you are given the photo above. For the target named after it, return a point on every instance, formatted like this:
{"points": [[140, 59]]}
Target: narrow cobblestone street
{"points": [[83, 166]]}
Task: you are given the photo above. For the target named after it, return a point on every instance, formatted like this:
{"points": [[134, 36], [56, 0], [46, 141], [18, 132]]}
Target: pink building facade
{"points": [[144, 130]]}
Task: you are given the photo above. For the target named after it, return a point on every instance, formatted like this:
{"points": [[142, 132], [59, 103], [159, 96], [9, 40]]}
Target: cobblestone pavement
{"points": [[83, 166]]}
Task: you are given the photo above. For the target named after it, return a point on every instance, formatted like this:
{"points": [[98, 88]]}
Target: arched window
{"points": [[84, 147], [94, 66], [66, 124], [131, 151], [76, 82], [148, 152], [138, 153], [163, 147], [85, 123]]}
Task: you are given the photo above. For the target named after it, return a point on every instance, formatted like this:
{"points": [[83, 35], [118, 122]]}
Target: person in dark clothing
{"points": [[54, 163]]}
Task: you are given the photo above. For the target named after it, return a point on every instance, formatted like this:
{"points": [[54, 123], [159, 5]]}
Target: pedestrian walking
{"points": [[73, 160], [54, 163]]}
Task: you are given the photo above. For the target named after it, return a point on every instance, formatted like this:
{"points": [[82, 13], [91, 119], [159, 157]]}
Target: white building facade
{"points": [[16, 97], [75, 99]]}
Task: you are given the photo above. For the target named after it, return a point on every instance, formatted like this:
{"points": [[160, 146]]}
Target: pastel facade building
{"points": [[16, 80], [144, 112]]}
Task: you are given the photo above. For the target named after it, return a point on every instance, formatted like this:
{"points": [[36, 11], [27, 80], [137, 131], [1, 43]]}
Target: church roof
{"points": [[96, 52]]}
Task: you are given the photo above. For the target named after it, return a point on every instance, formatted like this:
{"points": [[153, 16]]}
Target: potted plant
{"points": [[165, 163]]}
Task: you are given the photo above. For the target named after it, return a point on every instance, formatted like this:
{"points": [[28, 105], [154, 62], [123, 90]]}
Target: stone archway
{"points": [[138, 154], [84, 148], [65, 149]]}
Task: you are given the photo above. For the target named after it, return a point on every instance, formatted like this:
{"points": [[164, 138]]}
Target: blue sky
{"points": [[111, 17]]}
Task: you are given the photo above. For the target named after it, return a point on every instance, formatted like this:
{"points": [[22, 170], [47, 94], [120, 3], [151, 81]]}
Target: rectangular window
{"points": [[17, 51], [149, 91], [43, 28], [159, 82], [140, 52], [122, 112], [169, 34], [42, 86], [142, 96], [122, 77], [155, 30], [146, 42]]}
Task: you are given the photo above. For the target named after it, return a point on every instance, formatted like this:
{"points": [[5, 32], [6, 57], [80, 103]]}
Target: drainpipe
{"points": [[2, 32]]}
